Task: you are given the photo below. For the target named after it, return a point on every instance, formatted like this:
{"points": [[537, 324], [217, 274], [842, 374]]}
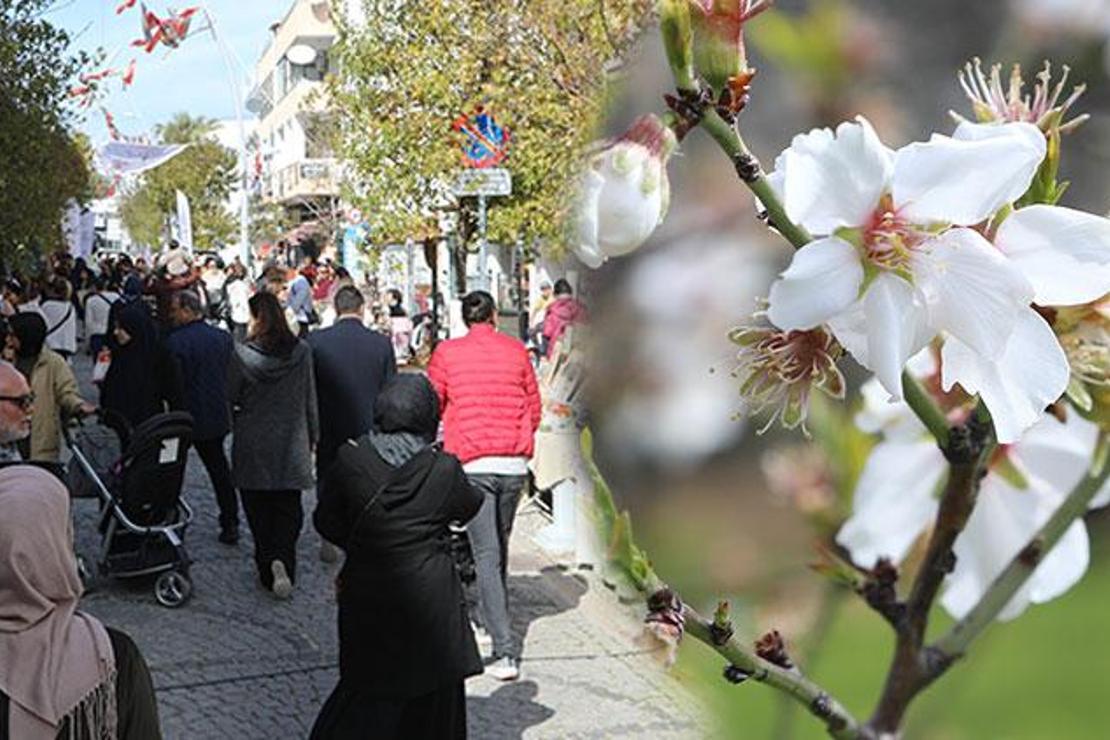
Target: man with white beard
{"points": [[16, 404]]}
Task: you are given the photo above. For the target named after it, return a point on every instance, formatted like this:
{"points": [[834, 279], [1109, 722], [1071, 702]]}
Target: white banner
{"points": [[79, 228], [184, 222], [131, 159]]}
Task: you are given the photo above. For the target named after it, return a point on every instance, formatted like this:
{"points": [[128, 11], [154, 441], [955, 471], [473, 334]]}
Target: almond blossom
{"points": [[896, 501], [625, 192], [889, 279]]}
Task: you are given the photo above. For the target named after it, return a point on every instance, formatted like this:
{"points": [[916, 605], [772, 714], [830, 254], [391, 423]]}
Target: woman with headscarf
{"points": [[53, 387], [143, 378], [62, 673], [405, 644], [275, 425]]}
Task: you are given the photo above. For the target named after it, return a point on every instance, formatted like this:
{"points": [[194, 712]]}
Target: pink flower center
{"points": [[888, 238]]}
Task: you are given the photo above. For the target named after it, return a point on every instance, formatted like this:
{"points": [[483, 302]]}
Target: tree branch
{"points": [[952, 645], [838, 721], [747, 167], [912, 667]]}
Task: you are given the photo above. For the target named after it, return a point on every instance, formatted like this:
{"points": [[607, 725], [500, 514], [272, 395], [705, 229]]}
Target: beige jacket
{"points": [[56, 394]]}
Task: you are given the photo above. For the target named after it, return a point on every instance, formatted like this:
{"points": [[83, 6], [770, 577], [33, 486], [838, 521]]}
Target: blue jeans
{"points": [[489, 532]]}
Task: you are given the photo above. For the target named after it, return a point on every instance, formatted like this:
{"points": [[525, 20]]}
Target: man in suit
{"points": [[203, 354], [352, 363]]}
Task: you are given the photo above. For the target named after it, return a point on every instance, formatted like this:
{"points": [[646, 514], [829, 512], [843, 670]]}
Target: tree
{"points": [[41, 165], [412, 68], [204, 172]]}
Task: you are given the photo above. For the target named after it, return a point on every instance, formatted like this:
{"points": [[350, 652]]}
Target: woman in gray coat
{"points": [[275, 427]]}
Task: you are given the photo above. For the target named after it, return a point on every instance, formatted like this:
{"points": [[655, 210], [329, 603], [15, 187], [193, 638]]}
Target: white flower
{"points": [[895, 264], [896, 501], [624, 193]]}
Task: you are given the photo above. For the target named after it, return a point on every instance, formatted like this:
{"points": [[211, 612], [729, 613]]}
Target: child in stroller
{"points": [[144, 518]]}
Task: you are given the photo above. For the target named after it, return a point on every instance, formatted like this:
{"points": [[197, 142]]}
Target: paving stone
{"points": [[236, 663]]}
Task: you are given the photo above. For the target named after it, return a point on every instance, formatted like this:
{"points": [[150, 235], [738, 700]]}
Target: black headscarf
{"points": [[133, 385], [408, 403], [30, 329]]}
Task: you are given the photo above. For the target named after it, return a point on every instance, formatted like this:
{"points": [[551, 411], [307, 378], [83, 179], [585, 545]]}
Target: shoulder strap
{"points": [[61, 321]]}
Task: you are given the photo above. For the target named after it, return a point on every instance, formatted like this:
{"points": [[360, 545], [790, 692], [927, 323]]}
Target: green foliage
{"points": [[41, 164], [269, 221], [625, 561], [204, 172], [810, 45], [541, 69]]}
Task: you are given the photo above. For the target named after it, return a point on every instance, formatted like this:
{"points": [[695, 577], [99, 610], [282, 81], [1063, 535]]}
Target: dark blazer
{"points": [[403, 628], [352, 363], [203, 353]]}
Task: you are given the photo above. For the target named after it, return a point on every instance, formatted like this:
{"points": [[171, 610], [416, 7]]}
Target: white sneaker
{"points": [[283, 587], [481, 638], [505, 668]]}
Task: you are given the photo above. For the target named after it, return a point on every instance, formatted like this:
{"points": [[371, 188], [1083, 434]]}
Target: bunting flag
{"points": [[169, 31], [126, 4]]}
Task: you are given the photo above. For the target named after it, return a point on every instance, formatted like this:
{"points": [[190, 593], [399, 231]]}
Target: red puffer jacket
{"points": [[487, 395]]}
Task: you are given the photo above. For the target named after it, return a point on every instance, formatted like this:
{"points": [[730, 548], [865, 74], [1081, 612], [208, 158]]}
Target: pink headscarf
{"points": [[55, 662]]}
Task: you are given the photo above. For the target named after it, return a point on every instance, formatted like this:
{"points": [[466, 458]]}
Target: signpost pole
{"points": [[483, 247]]}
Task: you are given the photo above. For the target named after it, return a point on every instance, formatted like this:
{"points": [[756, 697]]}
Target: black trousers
{"points": [[211, 452], [275, 519]]}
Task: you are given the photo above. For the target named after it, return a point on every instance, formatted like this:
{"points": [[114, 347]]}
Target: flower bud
{"points": [[718, 27], [678, 39], [625, 192]]}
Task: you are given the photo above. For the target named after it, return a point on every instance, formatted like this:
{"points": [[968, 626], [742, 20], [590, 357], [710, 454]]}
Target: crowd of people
{"points": [[311, 397]]}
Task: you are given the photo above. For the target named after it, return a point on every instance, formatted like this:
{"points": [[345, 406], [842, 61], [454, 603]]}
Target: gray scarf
{"points": [[397, 448]]}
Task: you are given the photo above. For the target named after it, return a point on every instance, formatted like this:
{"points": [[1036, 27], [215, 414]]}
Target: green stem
{"points": [[832, 598], [730, 141], [919, 400], [838, 720], [953, 644]]}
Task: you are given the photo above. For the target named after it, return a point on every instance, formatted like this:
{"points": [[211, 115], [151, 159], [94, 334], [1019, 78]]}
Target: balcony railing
{"points": [[306, 178]]}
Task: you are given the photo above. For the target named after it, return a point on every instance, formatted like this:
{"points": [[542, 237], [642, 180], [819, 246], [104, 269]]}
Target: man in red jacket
{"points": [[491, 408]]}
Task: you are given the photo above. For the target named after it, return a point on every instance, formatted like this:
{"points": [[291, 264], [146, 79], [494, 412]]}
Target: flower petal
{"points": [[964, 181], [822, 280], [1064, 253], [1001, 525], [1017, 384], [894, 501], [630, 204], [897, 328], [1056, 453], [882, 414], [833, 180], [972, 291]]}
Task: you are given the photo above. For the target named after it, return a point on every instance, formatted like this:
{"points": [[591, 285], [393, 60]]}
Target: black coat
{"points": [[403, 626], [352, 364]]}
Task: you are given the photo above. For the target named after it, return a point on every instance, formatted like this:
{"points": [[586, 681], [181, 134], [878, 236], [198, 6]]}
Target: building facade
{"points": [[294, 164]]}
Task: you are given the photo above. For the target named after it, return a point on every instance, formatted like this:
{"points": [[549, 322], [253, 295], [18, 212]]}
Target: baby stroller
{"points": [[143, 517]]}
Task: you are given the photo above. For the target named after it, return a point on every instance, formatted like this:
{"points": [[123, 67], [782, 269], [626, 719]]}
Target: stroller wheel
{"points": [[172, 589], [83, 572]]}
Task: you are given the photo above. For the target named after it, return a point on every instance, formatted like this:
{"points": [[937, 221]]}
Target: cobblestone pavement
{"points": [[235, 663]]}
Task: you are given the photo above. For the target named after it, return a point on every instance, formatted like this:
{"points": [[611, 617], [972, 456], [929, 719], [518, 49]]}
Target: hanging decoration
{"points": [[169, 31]]}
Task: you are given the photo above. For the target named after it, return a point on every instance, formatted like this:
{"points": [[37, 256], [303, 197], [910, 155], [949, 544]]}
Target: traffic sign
{"points": [[486, 182]]}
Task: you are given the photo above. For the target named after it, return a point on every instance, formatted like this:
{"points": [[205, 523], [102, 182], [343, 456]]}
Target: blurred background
{"points": [[726, 513]]}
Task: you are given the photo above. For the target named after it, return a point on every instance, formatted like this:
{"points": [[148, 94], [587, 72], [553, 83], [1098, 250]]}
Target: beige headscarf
{"points": [[55, 662]]}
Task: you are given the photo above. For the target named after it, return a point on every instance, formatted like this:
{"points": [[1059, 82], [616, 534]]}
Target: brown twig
{"points": [[914, 666]]}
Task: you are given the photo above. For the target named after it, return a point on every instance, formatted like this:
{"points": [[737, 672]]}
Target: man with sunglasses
{"points": [[16, 404]]}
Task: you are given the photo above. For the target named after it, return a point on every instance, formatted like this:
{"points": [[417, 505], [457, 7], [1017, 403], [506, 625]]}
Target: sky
{"points": [[192, 78]]}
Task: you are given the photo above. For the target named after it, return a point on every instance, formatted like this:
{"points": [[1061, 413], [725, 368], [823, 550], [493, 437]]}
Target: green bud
{"points": [[678, 39]]}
